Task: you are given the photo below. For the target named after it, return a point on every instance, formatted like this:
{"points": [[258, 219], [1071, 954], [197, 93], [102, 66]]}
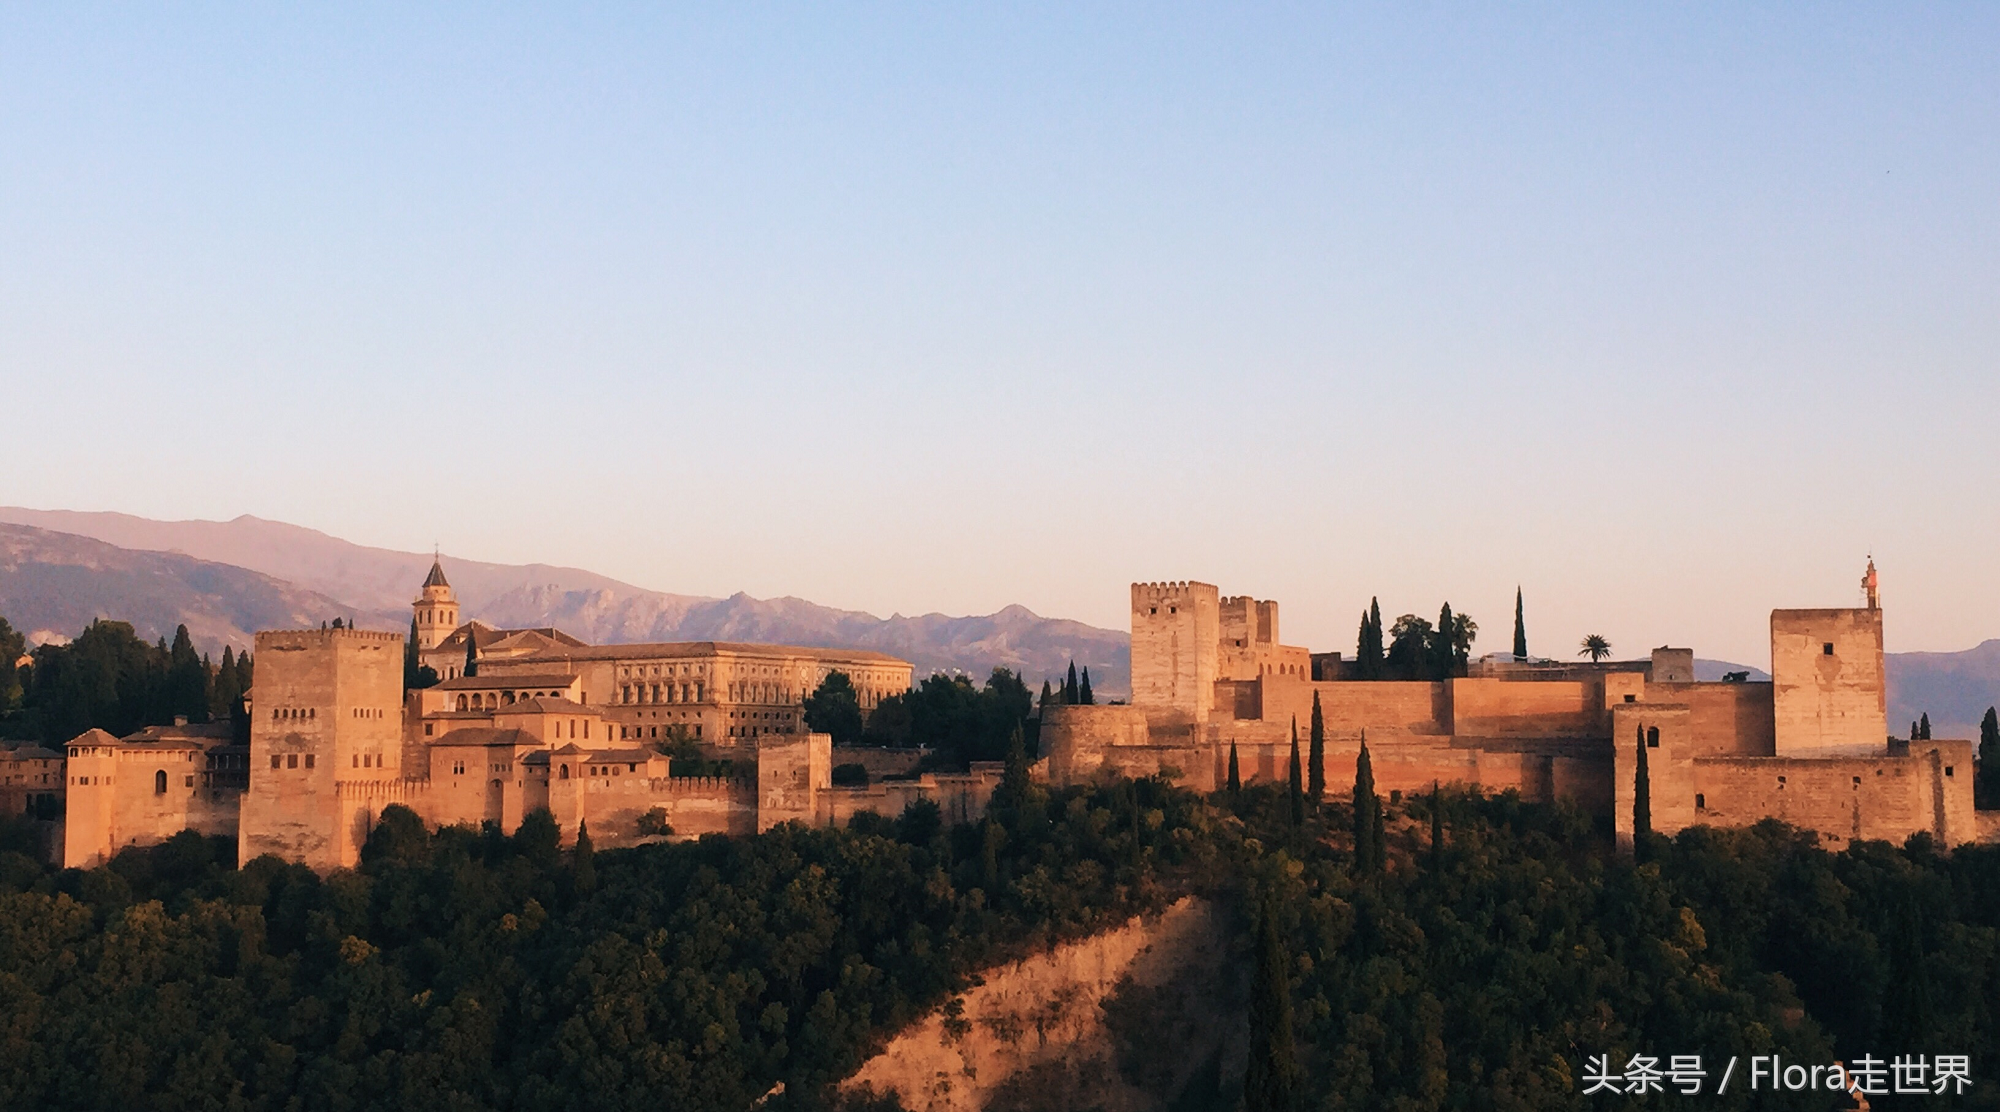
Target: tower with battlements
{"points": [[1176, 638], [326, 730]]}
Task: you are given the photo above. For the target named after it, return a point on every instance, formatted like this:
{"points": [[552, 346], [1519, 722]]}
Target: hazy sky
{"points": [[1670, 316]]}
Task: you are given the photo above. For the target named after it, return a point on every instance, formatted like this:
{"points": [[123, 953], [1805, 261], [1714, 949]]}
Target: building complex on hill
{"points": [[524, 720], [527, 719], [1809, 747]]}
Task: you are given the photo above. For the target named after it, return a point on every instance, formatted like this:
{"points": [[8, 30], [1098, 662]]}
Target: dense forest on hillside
{"points": [[463, 969]]}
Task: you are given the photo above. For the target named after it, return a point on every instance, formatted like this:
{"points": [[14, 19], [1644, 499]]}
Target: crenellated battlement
{"points": [[344, 633]]}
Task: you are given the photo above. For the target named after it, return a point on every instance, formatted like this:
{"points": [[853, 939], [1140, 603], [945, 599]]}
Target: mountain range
{"points": [[227, 579]]}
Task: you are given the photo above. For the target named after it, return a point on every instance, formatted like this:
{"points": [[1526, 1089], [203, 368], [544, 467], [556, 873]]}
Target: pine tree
{"points": [[1369, 852], [471, 652], [1270, 1078], [583, 862], [1235, 777], [1316, 756], [1520, 628], [1295, 790], [1083, 695], [1924, 727], [1642, 798]]}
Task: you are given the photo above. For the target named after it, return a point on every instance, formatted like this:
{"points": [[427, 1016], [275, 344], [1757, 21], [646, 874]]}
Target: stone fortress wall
{"points": [[1810, 747]]}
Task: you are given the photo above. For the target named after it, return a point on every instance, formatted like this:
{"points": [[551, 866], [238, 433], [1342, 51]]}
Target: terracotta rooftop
{"points": [[507, 679], [654, 650]]}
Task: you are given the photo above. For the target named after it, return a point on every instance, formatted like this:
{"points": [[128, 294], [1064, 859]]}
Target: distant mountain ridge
{"points": [[52, 585], [330, 577]]}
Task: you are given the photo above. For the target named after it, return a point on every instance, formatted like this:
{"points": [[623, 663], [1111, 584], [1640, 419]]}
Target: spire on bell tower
{"points": [[1871, 585], [436, 608]]}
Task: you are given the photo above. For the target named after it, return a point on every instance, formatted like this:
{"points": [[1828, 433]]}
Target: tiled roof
{"points": [[506, 679], [656, 650], [485, 736], [436, 577], [541, 704]]}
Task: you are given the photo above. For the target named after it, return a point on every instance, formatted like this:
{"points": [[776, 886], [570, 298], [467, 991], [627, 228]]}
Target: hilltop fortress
{"points": [[532, 719], [525, 719], [1809, 747]]}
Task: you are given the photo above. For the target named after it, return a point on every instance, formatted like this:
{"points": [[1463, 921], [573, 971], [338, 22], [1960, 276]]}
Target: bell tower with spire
{"points": [[436, 608]]}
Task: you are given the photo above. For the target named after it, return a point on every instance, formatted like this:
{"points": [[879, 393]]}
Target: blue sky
{"points": [[1669, 315]]}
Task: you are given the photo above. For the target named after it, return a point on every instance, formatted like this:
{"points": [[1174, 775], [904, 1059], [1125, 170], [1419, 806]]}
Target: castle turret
{"points": [[436, 609]]}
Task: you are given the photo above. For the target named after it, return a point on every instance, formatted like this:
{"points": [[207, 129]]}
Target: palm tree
{"points": [[1595, 647]]}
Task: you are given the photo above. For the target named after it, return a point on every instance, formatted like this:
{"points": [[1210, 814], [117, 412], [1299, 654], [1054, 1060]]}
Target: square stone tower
{"points": [[325, 723], [1828, 692], [1176, 639]]}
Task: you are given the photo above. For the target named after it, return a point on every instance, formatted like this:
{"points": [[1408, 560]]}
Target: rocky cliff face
{"points": [[1138, 1017]]}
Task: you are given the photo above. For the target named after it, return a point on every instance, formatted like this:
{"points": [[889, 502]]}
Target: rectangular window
{"points": [[309, 760], [1948, 770], [276, 760], [291, 760], [1826, 649]]}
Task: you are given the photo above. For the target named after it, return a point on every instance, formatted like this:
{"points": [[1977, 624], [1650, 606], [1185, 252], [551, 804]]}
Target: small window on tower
{"points": [[1826, 649], [1700, 802]]}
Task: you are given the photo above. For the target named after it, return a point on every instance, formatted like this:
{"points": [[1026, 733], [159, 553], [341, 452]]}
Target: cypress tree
{"points": [[187, 679], [1906, 1003], [1316, 756], [1046, 694], [223, 695], [471, 651], [1520, 628], [1295, 790], [583, 862], [1083, 695], [1270, 1078], [1924, 727], [1368, 647], [1235, 777], [410, 661], [1913, 730], [1369, 852], [1015, 782], [1069, 686], [1986, 785], [1642, 797], [1437, 825], [243, 672], [1444, 655]]}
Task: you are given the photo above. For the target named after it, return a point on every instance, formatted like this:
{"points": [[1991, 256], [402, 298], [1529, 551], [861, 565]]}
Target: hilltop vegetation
{"points": [[462, 969]]}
